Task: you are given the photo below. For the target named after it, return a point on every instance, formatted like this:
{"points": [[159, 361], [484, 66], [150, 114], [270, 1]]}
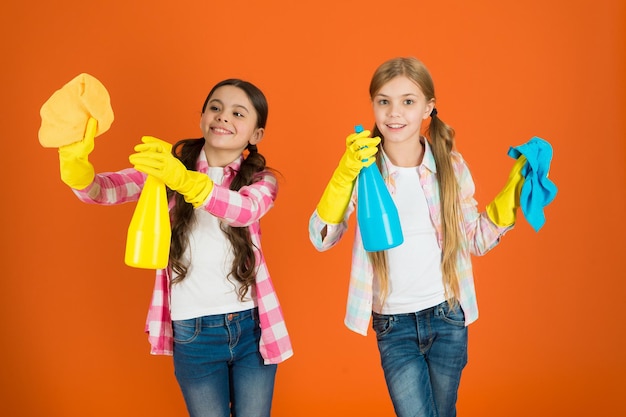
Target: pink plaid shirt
{"points": [[243, 208], [480, 235]]}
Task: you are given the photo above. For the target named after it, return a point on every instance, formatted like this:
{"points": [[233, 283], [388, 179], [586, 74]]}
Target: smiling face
{"points": [[400, 107], [228, 124]]}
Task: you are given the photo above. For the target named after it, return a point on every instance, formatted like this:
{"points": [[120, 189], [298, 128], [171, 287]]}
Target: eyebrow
{"points": [[403, 95], [216, 100]]}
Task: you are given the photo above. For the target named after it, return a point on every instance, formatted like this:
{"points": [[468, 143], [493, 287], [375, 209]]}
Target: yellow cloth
{"points": [[65, 114]]}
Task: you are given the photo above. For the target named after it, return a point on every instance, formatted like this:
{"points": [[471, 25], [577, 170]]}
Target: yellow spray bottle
{"points": [[149, 232]]}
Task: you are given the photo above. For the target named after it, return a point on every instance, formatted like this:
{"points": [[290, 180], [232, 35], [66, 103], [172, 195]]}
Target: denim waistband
{"points": [[436, 310], [217, 319]]}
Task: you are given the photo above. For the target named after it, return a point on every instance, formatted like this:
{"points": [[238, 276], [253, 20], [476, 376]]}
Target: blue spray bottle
{"points": [[376, 213]]}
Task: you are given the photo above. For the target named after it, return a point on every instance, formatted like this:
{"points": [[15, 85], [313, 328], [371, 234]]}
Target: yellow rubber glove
{"points": [[503, 209], [154, 158], [76, 170], [360, 151]]}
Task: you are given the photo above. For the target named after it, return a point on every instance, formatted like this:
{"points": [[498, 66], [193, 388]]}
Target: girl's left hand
{"points": [[154, 158]]}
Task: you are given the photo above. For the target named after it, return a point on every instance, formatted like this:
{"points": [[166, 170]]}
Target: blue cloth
{"points": [[538, 190]]}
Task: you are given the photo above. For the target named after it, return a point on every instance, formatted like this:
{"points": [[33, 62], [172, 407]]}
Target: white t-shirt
{"points": [[207, 290], [415, 279]]}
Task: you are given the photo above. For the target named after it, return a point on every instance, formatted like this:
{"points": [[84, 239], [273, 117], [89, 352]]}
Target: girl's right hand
{"points": [[360, 153]]}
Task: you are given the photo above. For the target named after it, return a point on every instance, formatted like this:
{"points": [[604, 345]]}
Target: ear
{"points": [[257, 136], [200, 121], [429, 108]]}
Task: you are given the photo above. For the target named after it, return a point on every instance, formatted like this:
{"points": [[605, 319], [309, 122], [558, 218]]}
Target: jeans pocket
{"points": [[185, 331], [382, 324], [453, 315]]}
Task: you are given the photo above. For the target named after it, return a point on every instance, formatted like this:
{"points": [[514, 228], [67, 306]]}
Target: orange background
{"points": [[550, 340]]}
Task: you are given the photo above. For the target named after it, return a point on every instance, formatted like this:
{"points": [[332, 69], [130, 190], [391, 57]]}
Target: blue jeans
{"points": [[423, 355], [219, 368]]}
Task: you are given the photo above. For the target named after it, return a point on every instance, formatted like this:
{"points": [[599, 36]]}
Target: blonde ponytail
{"points": [[441, 138]]}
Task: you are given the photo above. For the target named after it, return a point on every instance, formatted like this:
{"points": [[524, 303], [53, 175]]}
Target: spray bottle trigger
{"points": [[359, 129]]}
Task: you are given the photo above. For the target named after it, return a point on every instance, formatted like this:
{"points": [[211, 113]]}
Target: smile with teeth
{"points": [[220, 131], [395, 126]]}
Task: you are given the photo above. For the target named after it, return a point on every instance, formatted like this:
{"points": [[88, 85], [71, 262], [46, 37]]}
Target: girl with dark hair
{"points": [[214, 307], [420, 293]]}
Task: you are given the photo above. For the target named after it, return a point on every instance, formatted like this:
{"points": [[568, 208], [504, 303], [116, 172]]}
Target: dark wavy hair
{"points": [[188, 150]]}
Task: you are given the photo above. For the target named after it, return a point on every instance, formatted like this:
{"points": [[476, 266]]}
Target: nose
{"points": [[394, 110], [221, 117]]}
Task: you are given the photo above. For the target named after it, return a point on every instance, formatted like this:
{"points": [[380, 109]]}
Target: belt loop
{"points": [[439, 311]]}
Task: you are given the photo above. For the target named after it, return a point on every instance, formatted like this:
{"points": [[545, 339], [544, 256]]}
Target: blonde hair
{"points": [[441, 139]]}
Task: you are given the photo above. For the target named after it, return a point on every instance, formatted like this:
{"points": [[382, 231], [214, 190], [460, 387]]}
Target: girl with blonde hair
{"points": [[421, 293]]}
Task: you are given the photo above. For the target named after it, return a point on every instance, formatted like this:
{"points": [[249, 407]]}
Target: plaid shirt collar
{"points": [[202, 165]]}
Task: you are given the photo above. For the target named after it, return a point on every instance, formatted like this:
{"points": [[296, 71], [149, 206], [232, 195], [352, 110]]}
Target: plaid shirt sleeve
{"points": [[110, 188], [334, 232], [481, 234], [246, 206]]}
